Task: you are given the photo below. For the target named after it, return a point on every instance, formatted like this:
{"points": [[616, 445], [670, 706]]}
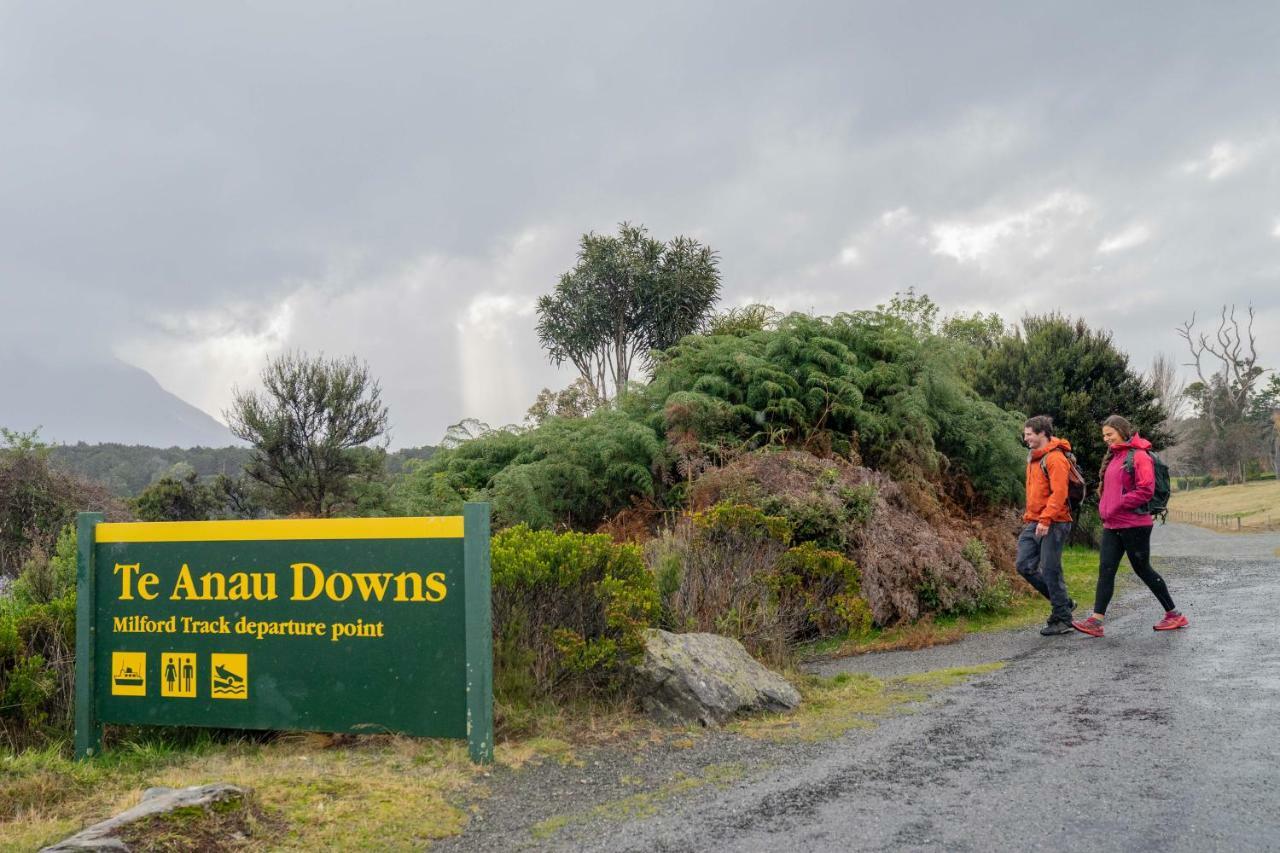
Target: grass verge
{"points": [[366, 795], [836, 705]]}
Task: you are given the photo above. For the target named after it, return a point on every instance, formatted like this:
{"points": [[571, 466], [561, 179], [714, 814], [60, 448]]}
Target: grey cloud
{"points": [[170, 174]]}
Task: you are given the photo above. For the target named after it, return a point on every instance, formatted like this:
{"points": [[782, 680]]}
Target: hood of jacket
{"points": [[1135, 442], [1054, 444]]}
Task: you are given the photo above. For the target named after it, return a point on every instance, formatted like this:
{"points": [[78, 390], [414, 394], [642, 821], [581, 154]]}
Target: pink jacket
{"points": [[1121, 492]]}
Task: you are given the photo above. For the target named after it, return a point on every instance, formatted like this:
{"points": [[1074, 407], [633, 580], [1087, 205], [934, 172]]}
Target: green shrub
{"points": [[37, 648], [569, 609], [733, 522], [820, 593]]}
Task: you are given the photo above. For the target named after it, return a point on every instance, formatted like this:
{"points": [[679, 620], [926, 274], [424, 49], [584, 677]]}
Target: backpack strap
{"points": [[1044, 460]]}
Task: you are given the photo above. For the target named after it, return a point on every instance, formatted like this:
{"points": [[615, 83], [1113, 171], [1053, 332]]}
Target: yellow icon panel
{"points": [[229, 676], [178, 675], [128, 673]]}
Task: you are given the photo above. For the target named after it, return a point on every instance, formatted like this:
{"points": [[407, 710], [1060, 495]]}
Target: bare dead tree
{"points": [[1226, 365], [1233, 355]]}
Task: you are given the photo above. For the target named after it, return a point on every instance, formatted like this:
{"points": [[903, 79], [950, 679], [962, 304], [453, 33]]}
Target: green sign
{"points": [[341, 625]]}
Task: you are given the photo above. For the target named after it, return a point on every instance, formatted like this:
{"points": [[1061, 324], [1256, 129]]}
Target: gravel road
{"points": [[1137, 741]]}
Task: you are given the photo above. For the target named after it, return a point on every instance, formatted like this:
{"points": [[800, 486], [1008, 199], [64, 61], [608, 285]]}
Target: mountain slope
{"points": [[100, 402]]}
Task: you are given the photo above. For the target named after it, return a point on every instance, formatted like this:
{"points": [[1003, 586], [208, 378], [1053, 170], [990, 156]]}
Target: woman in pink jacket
{"points": [[1126, 529]]}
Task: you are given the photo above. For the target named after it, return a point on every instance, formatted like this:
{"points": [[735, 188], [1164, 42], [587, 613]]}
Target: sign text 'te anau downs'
{"points": [[342, 625]]}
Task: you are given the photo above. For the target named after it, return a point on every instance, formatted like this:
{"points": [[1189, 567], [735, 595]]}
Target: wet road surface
{"points": [[1137, 741]]}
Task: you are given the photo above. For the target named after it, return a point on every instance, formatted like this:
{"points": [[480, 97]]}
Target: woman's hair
{"points": [[1126, 430], [1120, 425]]}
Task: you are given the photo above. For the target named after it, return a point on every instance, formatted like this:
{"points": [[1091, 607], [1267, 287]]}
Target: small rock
{"points": [[706, 678]]}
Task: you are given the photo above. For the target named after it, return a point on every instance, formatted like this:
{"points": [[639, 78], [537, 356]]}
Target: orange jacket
{"points": [[1047, 496]]}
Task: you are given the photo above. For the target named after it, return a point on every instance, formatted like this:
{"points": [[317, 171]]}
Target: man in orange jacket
{"points": [[1047, 520]]}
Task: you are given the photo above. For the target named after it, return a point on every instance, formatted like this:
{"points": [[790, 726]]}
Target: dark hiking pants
{"points": [[1040, 562], [1135, 543]]}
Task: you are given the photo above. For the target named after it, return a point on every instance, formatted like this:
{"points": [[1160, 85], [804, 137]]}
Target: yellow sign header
{"points": [[438, 527]]}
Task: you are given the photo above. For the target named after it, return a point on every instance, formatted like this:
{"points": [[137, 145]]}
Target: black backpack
{"points": [[1077, 488], [1159, 503]]}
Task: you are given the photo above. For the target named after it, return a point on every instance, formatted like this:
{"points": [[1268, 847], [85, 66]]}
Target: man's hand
{"points": [[1042, 530]]}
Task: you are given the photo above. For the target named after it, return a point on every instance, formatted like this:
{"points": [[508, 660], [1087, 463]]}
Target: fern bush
{"points": [[568, 472], [864, 385]]}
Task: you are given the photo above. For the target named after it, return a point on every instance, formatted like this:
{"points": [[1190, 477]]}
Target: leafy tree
{"points": [[1266, 408], [173, 498], [627, 296], [184, 496], [577, 401], [467, 429], [916, 311], [1060, 367], [306, 427]]}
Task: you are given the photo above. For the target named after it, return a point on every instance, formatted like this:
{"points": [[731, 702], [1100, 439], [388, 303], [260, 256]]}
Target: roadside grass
{"points": [[1080, 566], [1256, 504], [309, 792], [645, 803], [836, 705]]}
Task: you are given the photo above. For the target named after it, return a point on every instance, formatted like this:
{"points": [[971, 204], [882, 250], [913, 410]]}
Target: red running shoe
{"points": [[1090, 626], [1170, 622]]}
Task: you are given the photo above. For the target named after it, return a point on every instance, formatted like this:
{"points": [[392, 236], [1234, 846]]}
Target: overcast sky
{"points": [[192, 187]]}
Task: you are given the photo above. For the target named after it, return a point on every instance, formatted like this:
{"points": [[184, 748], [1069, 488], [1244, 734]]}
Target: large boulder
{"points": [[155, 802], [706, 679]]}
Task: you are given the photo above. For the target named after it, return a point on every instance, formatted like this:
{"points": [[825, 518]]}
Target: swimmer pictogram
{"points": [[229, 676]]}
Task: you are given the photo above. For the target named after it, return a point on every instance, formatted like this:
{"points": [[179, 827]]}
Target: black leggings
{"points": [[1136, 543]]}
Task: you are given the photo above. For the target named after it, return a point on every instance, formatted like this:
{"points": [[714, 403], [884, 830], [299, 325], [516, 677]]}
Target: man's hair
{"points": [[1042, 424]]}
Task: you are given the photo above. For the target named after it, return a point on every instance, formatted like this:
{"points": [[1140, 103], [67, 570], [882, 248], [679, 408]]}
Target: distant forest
{"points": [[128, 469]]}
